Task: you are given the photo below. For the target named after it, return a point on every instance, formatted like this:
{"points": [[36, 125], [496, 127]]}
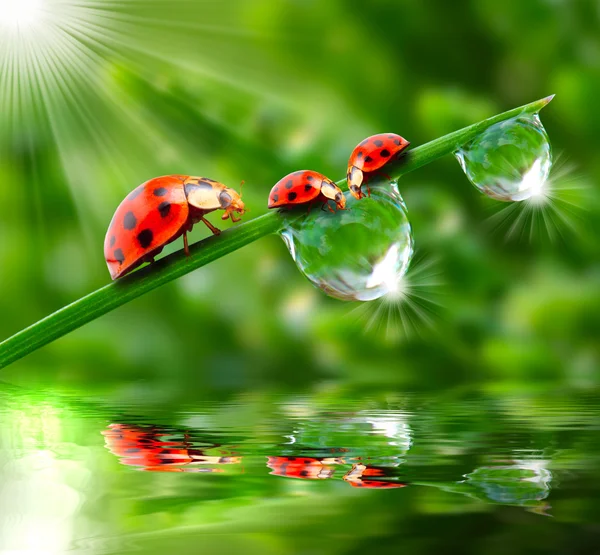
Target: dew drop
{"points": [[358, 254], [509, 161]]}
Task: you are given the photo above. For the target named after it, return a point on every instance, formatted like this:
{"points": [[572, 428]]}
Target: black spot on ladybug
{"points": [[119, 256], [275, 198], [145, 237], [289, 184], [390, 136], [291, 458], [360, 154], [160, 192], [304, 473], [292, 196], [132, 450], [129, 220], [275, 189], [368, 159], [308, 187], [364, 142], [164, 208], [136, 192], [378, 142], [385, 153], [397, 142], [112, 241], [309, 178]]}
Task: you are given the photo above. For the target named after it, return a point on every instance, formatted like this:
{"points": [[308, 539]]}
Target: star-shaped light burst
{"points": [[552, 210], [411, 303]]}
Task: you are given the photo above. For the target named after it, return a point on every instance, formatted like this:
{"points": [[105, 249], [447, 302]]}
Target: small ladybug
{"points": [[360, 476], [306, 187], [304, 468], [372, 154], [158, 212]]}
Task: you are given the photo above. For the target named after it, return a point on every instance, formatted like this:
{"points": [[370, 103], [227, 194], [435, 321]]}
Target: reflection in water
{"points": [[523, 482], [305, 468], [260, 457], [362, 476], [156, 449]]}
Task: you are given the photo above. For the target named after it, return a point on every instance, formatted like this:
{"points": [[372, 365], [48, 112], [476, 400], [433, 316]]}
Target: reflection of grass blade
{"points": [[176, 265]]}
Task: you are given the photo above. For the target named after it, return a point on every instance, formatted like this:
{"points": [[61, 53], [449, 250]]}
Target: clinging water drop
{"points": [[358, 254], [509, 161]]}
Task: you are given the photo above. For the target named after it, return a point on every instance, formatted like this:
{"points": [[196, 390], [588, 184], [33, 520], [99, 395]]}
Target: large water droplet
{"points": [[510, 160], [358, 254]]}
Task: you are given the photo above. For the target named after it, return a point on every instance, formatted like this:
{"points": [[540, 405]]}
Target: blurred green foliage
{"points": [[250, 90]]}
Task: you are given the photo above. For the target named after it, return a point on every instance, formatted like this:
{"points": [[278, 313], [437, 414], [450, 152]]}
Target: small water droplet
{"points": [[358, 254], [509, 161]]}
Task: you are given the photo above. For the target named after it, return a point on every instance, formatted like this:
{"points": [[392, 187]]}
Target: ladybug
{"points": [[361, 476], [306, 187], [372, 154], [144, 447], [158, 212], [304, 468], [153, 450]]}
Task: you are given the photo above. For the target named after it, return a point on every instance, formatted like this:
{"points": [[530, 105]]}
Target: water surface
{"points": [[474, 471]]}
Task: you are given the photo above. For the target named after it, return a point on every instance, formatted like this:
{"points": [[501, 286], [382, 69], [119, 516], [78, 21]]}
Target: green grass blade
{"points": [[118, 293]]}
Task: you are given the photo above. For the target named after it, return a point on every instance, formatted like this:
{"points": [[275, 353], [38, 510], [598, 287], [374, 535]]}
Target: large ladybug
{"points": [[158, 212], [158, 450], [306, 187], [370, 155]]}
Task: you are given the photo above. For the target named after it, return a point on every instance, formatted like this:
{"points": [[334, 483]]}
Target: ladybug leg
{"points": [[186, 247], [330, 209], [215, 230]]}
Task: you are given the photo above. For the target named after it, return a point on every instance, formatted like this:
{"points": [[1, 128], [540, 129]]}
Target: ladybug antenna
{"points": [[242, 192]]}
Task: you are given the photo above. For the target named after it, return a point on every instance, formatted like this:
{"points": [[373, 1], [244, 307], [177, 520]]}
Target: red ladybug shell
{"points": [[304, 468], [144, 447], [305, 186], [151, 216], [370, 155], [147, 448], [158, 212]]}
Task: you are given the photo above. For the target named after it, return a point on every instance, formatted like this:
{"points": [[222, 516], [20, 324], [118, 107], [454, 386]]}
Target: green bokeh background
{"points": [[252, 90]]}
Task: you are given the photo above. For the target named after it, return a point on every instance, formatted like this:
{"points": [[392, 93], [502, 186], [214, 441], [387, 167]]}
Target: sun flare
{"points": [[21, 14]]}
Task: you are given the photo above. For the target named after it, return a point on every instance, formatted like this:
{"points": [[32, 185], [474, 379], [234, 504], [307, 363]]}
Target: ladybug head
{"points": [[331, 191], [231, 201]]}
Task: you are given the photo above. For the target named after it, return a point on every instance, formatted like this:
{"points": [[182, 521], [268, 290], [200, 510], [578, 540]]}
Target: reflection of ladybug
{"points": [[147, 448], [306, 468], [359, 476]]}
